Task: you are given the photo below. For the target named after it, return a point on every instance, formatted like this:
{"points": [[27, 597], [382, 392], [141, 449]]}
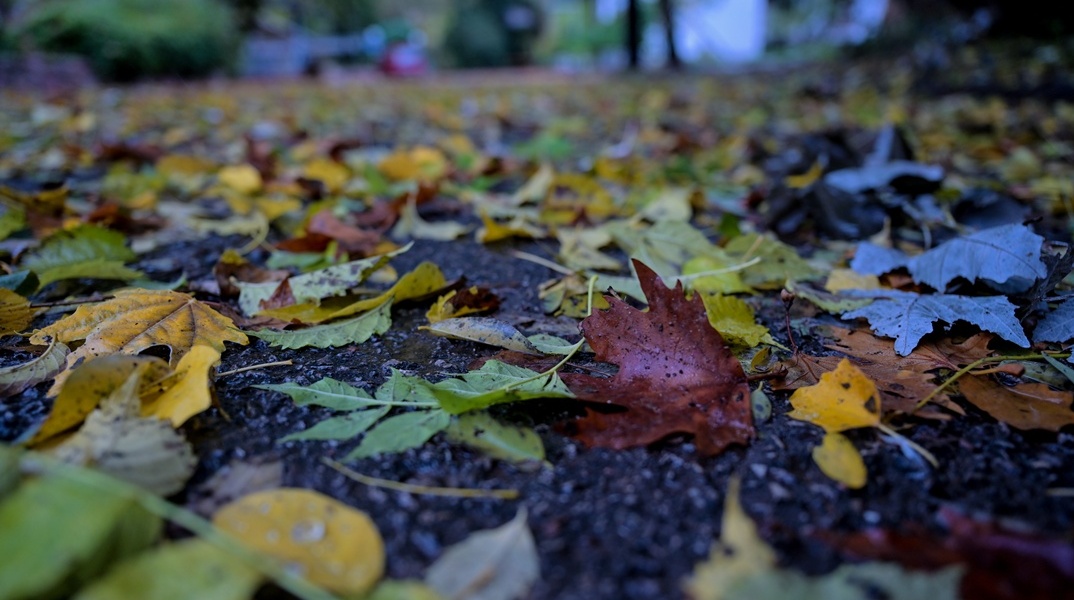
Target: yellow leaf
{"points": [[444, 308], [734, 319], [15, 312], [421, 163], [839, 459], [804, 180], [322, 539], [536, 187], [188, 391], [137, 319], [492, 231], [332, 174], [244, 179], [849, 279], [90, 384], [184, 166], [843, 399]]}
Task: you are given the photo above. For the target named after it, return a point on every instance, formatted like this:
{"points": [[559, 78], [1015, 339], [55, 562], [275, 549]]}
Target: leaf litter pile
{"points": [[708, 337]]}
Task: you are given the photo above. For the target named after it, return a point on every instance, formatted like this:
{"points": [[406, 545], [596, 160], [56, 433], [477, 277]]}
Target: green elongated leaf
{"points": [[1059, 366], [550, 344], [316, 285], [343, 427], [498, 440], [59, 534], [495, 383], [355, 330], [779, 262], [401, 432], [85, 252], [16, 378], [484, 330], [827, 301], [404, 590], [327, 392], [187, 569], [403, 388], [495, 564]]}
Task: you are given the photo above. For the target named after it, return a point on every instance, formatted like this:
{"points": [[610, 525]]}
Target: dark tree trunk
{"points": [[667, 11], [633, 34]]}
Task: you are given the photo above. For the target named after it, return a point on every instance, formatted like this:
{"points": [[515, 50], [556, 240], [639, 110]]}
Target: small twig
{"points": [[70, 302], [544, 262], [410, 488], [279, 363]]}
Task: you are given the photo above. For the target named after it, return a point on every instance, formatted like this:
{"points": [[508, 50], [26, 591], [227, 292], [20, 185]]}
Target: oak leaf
{"points": [[676, 374]]}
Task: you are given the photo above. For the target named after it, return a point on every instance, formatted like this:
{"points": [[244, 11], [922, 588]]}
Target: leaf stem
{"points": [[911, 443], [544, 262], [973, 365], [410, 488], [160, 507]]}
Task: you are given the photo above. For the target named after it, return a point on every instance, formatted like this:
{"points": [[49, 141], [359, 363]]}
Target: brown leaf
{"points": [[676, 374], [1023, 406], [232, 265], [351, 239]]}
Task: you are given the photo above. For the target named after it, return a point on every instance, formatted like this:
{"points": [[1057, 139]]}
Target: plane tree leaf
{"points": [[186, 569], [335, 280], [44, 557], [354, 330], [329, 543], [87, 251], [496, 564], [135, 320], [16, 378], [187, 391], [1007, 258], [676, 374], [908, 317]]}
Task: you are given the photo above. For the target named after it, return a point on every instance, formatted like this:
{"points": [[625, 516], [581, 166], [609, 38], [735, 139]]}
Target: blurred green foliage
{"points": [[125, 40], [493, 33]]}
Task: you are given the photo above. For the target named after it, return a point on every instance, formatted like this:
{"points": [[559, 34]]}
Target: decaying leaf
{"points": [[187, 391], [327, 542], [16, 378], [497, 564], [354, 330], [908, 317], [484, 330], [843, 399], [185, 569], [136, 320], [15, 312], [459, 303], [1023, 406], [676, 374], [1005, 257]]}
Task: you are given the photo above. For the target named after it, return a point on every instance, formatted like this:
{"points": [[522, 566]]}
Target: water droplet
{"points": [[305, 532]]}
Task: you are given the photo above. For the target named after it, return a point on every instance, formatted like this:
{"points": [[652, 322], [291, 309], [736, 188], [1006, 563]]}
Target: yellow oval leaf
{"points": [[843, 399], [329, 543], [839, 459], [244, 179]]}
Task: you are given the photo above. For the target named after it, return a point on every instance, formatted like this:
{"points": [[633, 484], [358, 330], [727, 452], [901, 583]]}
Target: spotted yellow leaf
{"points": [[327, 542], [843, 399]]}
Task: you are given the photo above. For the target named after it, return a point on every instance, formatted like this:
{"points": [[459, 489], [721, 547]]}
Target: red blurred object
{"points": [[404, 60]]}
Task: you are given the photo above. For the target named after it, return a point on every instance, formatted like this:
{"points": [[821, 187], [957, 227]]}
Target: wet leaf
{"points": [[839, 459], [495, 383], [176, 571], [1006, 257], [187, 391], [1023, 406], [496, 564], [343, 427], [734, 319], [60, 534], [843, 399], [327, 542], [327, 392], [15, 312], [908, 317], [459, 303], [507, 442], [484, 330], [676, 374], [354, 330], [85, 252], [16, 378]]}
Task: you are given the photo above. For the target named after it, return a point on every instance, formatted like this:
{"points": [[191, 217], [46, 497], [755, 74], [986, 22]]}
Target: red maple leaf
{"points": [[676, 374]]}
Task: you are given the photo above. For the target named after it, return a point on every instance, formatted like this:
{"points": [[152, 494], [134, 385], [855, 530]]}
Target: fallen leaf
{"points": [[908, 317], [187, 391], [483, 330], [190, 568], [411, 226], [15, 312], [735, 321], [459, 303], [401, 432], [233, 481], [507, 442], [1057, 325], [244, 178], [496, 564], [354, 330], [16, 378], [137, 319], [327, 542], [840, 460], [60, 534], [676, 374], [403, 590], [85, 252], [779, 262], [1022, 406], [843, 399]]}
